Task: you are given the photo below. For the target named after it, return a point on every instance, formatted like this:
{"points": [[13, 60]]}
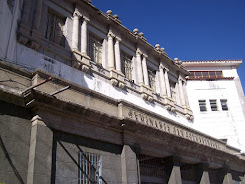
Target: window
{"points": [[224, 105], [152, 79], [89, 168], [127, 66], [54, 31], [213, 105], [202, 105], [173, 90], [206, 74], [95, 49]]}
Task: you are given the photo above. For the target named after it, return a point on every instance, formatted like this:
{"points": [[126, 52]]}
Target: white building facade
{"points": [[217, 99]]}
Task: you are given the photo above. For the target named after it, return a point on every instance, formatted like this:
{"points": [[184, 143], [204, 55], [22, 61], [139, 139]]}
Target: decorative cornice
{"points": [[212, 62]]}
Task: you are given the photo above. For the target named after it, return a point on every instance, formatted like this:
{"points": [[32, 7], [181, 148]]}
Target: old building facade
{"points": [[85, 100]]}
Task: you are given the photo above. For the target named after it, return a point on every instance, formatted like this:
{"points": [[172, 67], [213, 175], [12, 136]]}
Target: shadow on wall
{"points": [[50, 50], [72, 152], [5, 151]]}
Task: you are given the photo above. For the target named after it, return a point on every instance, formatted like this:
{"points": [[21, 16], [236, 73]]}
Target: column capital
{"points": [[161, 66], [86, 19], [180, 79], [166, 69], [144, 55], [111, 34], [139, 52], [76, 13], [118, 39]]}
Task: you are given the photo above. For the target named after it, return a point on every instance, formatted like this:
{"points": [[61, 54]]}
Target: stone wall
{"points": [[15, 130]]}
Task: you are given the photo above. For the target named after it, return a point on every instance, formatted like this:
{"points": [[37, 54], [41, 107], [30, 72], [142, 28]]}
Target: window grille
{"points": [[213, 105], [54, 31], [95, 49], [152, 80], [173, 90], [224, 105], [89, 168], [127, 66], [202, 105]]}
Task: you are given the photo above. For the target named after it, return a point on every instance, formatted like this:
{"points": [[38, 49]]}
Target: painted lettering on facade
{"points": [[173, 129]]}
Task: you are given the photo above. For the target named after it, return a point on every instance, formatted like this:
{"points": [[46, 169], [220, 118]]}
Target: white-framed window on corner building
{"points": [[54, 30], [95, 49], [89, 168], [224, 105], [127, 65], [202, 105], [152, 80], [213, 105]]}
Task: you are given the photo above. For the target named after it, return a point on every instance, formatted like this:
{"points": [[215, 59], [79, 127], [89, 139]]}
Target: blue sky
{"points": [[187, 29]]}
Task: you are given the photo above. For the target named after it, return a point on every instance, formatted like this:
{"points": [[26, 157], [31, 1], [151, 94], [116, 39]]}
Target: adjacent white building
{"points": [[217, 99]]}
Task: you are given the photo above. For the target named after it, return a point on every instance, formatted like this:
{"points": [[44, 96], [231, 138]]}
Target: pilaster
{"points": [[181, 92], [36, 25], [145, 71], [202, 175], [139, 67], [84, 33], [224, 175], [129, 166], [80, 59], [167, 82], [75, 34], [162, 81], [111, 50], [173, 170], [40, 154], [118, 54]]}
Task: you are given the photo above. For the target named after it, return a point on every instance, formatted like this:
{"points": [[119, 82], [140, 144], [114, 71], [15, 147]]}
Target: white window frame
{"points": [[127, 66], [55, 30], [202, 105], [225, 106], [95, 48], [152, 79], [213, 105], [173, 90]]}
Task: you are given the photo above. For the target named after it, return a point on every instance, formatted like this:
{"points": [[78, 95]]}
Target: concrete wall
{"points": [[67, 148], [15, 130]]}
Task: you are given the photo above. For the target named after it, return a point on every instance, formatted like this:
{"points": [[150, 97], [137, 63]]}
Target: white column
{"points": [[139, 67], [84, 41], [145, 71], [185, 94], [37, 15], [111, 51], [181, 92], [162, 81], [75, 33], [167, 82], [118, 55]]}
